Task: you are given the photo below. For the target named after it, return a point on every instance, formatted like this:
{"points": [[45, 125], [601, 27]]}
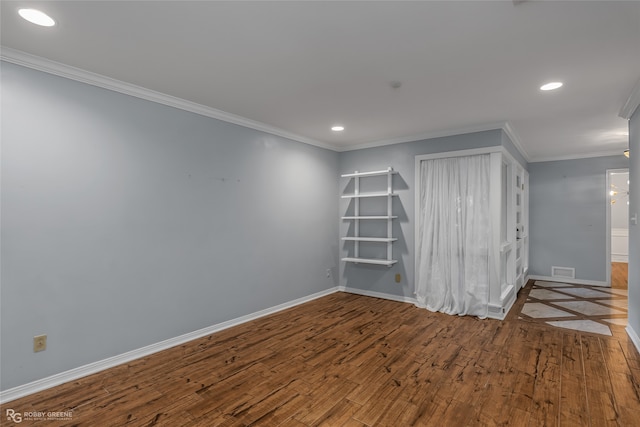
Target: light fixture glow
{"points": [[37, 17], [626, 152], [337, 128], [551, 86], [618, 193]]}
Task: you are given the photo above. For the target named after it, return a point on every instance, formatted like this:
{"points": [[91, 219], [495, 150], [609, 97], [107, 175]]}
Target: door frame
{"points": [[608, 221]]}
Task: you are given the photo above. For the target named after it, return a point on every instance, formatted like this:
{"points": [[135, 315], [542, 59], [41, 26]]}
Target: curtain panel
{"points": [[454, 235]]}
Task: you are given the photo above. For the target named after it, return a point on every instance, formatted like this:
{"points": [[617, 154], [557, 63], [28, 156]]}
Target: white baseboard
{"points": [[496, 312], [381, 295], [95, 367], [508, 298], [568, 280], [499, 312], [634, 337]]}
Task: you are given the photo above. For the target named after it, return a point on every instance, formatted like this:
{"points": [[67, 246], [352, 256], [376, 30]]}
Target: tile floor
{"points": [[583, 308]]}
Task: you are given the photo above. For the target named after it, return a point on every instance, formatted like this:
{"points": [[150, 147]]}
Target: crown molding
{"points": [[423, 136], [632, 103], [83, 76], [578, 156], [507, 127]]}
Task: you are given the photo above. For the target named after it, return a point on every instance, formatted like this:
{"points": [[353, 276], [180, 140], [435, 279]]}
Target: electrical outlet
{"points": [[39, 343], [328, 272], [398, 277]]}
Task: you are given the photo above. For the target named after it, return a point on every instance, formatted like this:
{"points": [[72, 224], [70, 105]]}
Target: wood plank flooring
{"points": [[619, 275], [349, 360]]}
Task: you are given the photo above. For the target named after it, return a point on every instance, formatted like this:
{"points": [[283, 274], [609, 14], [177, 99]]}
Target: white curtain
{"points": [[454, 235]]}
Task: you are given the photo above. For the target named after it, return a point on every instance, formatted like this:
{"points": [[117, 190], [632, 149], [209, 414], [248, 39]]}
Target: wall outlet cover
{"points": [[39, 343]]}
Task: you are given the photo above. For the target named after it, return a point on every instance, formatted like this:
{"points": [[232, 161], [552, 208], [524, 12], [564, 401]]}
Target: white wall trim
{"points": [[567, 280], [428, 135], [515, 139], [634, 337], [83, 76], [620, 232], [619, 235], [409, 300], [95, 367], [620, 258], [381, 295], [62, 70], [459, 153], [507, 299], [632, 103], [578, 156]]}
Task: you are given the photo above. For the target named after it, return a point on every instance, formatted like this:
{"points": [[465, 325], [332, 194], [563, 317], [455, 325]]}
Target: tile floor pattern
{"points": [[579, 307]]}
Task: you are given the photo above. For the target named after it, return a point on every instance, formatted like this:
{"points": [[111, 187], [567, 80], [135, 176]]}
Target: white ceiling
{"points": [[302, 67]]}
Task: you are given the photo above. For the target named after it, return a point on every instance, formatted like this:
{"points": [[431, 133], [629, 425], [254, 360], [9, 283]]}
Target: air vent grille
{"points": [[563, 272]]}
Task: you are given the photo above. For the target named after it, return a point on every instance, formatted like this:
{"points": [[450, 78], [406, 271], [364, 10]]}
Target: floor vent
{"points": [[563, 272]]}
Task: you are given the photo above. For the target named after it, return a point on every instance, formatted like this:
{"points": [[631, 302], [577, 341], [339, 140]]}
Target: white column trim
{"points": [[632, 103]]}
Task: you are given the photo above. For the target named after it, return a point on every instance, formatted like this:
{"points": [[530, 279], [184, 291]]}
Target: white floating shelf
{"points": [[371, 217], [357, 238], [371, 239], [362, 174], [358, 196], [387, 262]]}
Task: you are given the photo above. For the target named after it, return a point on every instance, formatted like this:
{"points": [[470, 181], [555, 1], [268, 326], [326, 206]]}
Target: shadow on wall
{"points": [[371, 277]]}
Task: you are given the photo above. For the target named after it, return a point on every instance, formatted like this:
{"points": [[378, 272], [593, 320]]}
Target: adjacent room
{"points": [[224, 213]]}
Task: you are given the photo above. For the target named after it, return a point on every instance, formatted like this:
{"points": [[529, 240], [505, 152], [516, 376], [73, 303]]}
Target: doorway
{"points": [[618, 227]]}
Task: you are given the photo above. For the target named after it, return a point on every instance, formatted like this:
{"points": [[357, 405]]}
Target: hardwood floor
{"points": [[619, 275], [349, 360]]}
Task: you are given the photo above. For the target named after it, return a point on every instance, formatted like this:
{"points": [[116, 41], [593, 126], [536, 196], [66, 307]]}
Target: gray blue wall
{"points": [[634, 230], [567, 215], [125, 222], [401, 157]]}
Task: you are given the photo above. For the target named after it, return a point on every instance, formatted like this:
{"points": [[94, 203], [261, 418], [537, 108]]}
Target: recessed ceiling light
{"points": [[551, 86], [337, 128], [37, 17]]}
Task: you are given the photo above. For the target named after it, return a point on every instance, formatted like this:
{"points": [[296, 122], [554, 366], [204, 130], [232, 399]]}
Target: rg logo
{"points": [[14, 416]]}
